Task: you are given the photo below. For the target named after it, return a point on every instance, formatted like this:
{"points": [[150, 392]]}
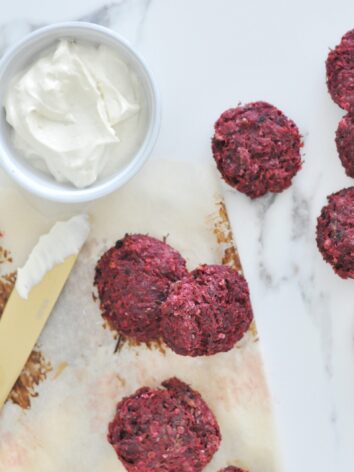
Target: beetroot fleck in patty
{"points": [[257, 148], [232, 468], [345, 143], [133, 279], [206, 312], [164, 430], [335, 232], [340, 72]]}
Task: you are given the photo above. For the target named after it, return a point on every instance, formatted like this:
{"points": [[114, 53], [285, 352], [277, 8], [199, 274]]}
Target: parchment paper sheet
{"points": [[65, 427]]}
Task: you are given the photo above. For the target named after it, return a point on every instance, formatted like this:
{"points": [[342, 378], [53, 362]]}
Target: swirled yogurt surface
{"points": [[68, 110]]}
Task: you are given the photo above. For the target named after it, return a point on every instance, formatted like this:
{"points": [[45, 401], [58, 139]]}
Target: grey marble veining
{"points": [[126, 17]]}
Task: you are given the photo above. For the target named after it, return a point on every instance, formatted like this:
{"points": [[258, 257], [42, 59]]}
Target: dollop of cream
{"points": [[66, 109], [63, 240]]}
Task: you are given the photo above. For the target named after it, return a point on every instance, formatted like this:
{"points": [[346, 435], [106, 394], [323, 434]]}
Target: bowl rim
{"points": [[74, 195]]}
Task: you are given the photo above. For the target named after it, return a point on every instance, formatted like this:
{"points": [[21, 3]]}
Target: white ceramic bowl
{"points": [[40, 183]]}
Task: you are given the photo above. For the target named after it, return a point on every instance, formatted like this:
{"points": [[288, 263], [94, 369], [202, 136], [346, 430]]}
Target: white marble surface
{"points": [[208, 55]]}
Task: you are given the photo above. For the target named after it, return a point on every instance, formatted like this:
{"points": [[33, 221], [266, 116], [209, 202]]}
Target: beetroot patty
{"points": [[340, 72], [345, 143], [165, 430], [335, 232], [133, 279], [256, 148], [206, 312]]}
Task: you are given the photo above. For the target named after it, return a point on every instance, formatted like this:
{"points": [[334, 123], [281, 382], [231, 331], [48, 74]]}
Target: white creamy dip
{"points": [[63, 240], [67, 107]]}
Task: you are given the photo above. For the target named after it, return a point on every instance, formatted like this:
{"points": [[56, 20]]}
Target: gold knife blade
{"points": [[22, 323]]}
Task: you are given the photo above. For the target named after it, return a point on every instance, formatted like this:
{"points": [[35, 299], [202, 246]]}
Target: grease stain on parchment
{"points": [[60, 369], [223, 233], [36, 368], [34, 372], [7, 280], [224, 237], [122, 341]]}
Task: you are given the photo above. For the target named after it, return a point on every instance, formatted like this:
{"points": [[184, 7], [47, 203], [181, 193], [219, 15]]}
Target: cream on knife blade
{"points": [[39, 284]]}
